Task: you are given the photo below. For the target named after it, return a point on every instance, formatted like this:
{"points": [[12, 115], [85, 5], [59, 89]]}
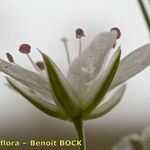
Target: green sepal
{"points": [[101, 85], [63, 92], [107, 106], [45, 107]]}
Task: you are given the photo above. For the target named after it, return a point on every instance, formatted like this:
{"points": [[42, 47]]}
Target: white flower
{"points": [[134, 141], [89, 79], [129, 142]]}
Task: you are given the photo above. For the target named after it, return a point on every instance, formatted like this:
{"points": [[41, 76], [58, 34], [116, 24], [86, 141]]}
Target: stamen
{"points": [[25, 48], [40, 65], [65, 40], [114, 45], [117, 30], [79, 35], [80, 46], [33, 63], [10, 58]]}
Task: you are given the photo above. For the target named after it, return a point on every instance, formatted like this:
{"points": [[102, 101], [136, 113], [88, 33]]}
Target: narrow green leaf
{"points": [[63, 92], [99, 87], [109, 105], [41, 104]]}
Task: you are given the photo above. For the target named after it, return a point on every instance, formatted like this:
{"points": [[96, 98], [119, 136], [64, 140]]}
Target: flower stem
{"points": [[78, 123], [145, 13]]}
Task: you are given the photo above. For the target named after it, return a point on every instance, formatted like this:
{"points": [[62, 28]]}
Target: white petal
{"points": [[26, 77], [36, 99], [109, 105], [88, 64], [132, 64], [126, 142], [145, 134], [98, 88]]}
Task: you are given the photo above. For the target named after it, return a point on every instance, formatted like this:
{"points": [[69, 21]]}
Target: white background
{"points": [[42, 23]]}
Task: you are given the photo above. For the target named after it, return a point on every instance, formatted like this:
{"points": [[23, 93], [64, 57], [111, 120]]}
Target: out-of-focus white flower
{"points": [[129, 142], [89, 79], [135, 141]]}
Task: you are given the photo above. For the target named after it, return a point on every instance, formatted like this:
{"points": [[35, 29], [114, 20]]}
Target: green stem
{"points": [[78, 123], [145, 13]]}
